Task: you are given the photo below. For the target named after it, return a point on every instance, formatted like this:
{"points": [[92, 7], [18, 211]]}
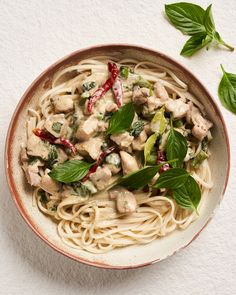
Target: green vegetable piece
{"points": [[227, 91], [56, 126], [172, 179], [204, 144], [122, 119], [152, 159], [52, 156], [70, 171], [83, 97], [159, 123], [43, 197], [148, 147], [124, 72], [178, 123], [140, 178], [143, 83], [176, 147], [186, 17], [32, 160], [88, 85], [200, 157], [188, 195], [80, 189], [137, 128]]}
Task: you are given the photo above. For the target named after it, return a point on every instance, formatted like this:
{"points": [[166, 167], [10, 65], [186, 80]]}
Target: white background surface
{"points": [[33, 35]]}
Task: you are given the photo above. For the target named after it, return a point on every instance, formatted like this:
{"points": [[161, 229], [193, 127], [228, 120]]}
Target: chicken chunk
{"points": [[36, 147], [125, 200], [63, 103], [178, 108], [138, 142], [140, 95], [87, 129], [124, 140], [128, 163], [32, 172], [91, 147], [161, 92], [101, 177], [201, 125], [152, 104], [48, 184], [57, 125], [62, 156], [111, 107]]}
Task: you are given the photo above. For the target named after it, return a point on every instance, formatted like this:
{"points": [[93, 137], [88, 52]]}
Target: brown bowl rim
{"points": [[9, 138]]}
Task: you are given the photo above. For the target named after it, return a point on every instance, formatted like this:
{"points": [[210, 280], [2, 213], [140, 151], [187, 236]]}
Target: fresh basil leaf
{"points": [[227, 91], [148, 147], [52, 156], [200, 157], [70, 171], [172, 179], [139, 178], [159, 123], [121, 119], [188, 195], [56, 126], [88, 86], [124, 72], [136, 128], [195, 43], [211, 30], [176, 147], [186, 17]]}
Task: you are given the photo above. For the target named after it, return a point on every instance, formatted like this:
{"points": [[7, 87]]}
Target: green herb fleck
{"points": [[88, 86], [136, 128], [56, 127], [124, 72]]}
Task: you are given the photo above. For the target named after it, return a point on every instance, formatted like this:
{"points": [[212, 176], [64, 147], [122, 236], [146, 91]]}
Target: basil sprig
{"points": [[176, 147], [193, 20], [122, 119], [140, 178], [70, 171], [186, 191], [227, 91]]}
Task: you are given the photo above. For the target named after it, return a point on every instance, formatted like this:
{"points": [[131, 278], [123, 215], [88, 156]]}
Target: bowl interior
{"points": [[135, 255]]}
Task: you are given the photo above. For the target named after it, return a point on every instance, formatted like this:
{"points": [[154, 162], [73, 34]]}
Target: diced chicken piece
{"points": [[62, 156], [31, 172], [138, 142], [201, 125], [161, 92], [91, 147], [125, 200], [111, 107], [128, 163], [36, 147], [63, 103], [178, 108], [140, 95], [57, 125], [151, 105], [113, 162], [102, 126], [87, 129], [124, 139], [101, 177], [48, 184], [23, 155]]}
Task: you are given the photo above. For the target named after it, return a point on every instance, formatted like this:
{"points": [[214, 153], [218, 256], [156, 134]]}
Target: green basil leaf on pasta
{"points": [[188, 195], [70, 171], [122, 119], [140, 178], [186, 17], [227, 91], [176, 147], [172, 179]]}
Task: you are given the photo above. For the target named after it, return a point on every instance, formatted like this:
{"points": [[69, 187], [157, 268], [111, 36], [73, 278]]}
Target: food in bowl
{"points": [[117, 152]]}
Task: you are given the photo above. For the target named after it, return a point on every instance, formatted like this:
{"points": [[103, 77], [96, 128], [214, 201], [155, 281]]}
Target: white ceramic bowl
{"points": [[134, 256]]}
